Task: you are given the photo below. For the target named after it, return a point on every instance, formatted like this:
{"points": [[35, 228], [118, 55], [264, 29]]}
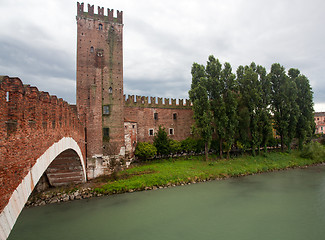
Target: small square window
{"points": [[171, 131], [155, 116], [150, 132], [106, 110], [174, 116]]}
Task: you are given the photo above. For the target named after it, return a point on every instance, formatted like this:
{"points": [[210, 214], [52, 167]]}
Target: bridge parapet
{"points": [[31, 121]]}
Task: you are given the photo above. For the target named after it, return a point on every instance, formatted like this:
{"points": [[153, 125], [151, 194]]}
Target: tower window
{"points": [[106, 110], [91, 49], [110, 90], [155, 116], [171, 131], [7, 96], [105, 133], [174, 116], [100, 27], [151, 132]]}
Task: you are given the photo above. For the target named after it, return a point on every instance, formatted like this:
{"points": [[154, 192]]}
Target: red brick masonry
{"points": [[30, 122]]}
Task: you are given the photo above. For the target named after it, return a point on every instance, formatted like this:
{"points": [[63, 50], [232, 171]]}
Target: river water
{"points": [[280, 205]]}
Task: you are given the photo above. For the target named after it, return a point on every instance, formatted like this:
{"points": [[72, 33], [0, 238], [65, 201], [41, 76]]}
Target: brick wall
{"points": [[30, 122], [176, 118]]}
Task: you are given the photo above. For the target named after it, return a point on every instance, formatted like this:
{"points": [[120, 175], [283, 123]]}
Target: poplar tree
{"points": [[201, 105], [305, 124], [250, 90], [284, 106], [265, 123], [215, 91], [230, 103]]}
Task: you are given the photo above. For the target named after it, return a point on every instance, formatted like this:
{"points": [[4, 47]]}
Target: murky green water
{"points": [[282, 205]]}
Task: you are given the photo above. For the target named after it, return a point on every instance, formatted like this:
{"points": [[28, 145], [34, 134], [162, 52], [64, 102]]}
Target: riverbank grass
{"points": [[169, 172]]}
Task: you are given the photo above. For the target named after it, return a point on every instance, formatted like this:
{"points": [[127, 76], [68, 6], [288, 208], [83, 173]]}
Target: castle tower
{"points": [[100, 99]]}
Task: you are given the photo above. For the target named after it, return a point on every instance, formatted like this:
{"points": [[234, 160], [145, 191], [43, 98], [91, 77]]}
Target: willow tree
{"points": [[201, 105]]}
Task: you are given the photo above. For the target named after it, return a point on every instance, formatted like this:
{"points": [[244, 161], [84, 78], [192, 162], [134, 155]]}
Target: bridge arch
{"points": [[65, 148]]}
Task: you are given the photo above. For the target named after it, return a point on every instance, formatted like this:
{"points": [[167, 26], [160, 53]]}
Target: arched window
{"points": [[91, 49], [100, 27], [110, 90]]}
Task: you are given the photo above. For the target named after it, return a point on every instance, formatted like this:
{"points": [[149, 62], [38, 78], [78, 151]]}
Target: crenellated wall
{"points": [[150, 113], [156, 102], [31, 121], [100, 13]]}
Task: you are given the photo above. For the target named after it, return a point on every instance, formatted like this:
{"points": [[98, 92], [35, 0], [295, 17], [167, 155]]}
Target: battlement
{"points": [[100, 13], [25, 107], [156, 102]]}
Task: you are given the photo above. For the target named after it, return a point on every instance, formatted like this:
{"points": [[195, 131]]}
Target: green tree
{"points": [[265, 123], [284, 105], [230, 97], [201, 105], [161, 142], [216, 87], [305, 123]]}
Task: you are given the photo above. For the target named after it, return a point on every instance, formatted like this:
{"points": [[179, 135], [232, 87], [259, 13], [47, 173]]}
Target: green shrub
{"points": [[313, 150], [145, 150], [188, 145], [175, 146]]}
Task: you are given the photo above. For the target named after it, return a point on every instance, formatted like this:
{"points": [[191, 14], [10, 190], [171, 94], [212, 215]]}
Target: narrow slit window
{"points": [[175, 116], [100, 27], [106, 110], [171, 131], [155, 116], [110, 90], [105, 132], [7, 96], [91, 49]]}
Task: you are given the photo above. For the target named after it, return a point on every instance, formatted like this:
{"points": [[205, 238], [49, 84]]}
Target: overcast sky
{"points": [[162, 39]]}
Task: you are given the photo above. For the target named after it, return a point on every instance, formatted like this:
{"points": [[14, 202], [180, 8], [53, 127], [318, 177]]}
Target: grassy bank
{"points": [[194, 169]]}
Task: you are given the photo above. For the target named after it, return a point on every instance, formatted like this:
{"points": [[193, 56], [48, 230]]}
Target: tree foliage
{"points": [[243, 109], [201, 105], [161, 142]]}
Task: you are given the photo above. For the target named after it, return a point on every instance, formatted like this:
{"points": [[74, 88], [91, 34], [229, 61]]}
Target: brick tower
{"points": [[100, 101]]}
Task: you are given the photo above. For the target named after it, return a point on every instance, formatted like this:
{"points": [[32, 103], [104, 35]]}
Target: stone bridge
{"points": [[40, 135]]}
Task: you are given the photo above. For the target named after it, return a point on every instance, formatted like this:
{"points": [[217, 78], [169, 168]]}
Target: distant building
{"points": [[320, 122]]}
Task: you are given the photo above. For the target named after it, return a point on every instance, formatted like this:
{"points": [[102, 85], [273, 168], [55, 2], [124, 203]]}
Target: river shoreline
{"points": [[86, 190]]}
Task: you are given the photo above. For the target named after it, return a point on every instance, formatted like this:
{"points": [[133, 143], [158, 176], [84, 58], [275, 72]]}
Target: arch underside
{"points": [[63, 163]]}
